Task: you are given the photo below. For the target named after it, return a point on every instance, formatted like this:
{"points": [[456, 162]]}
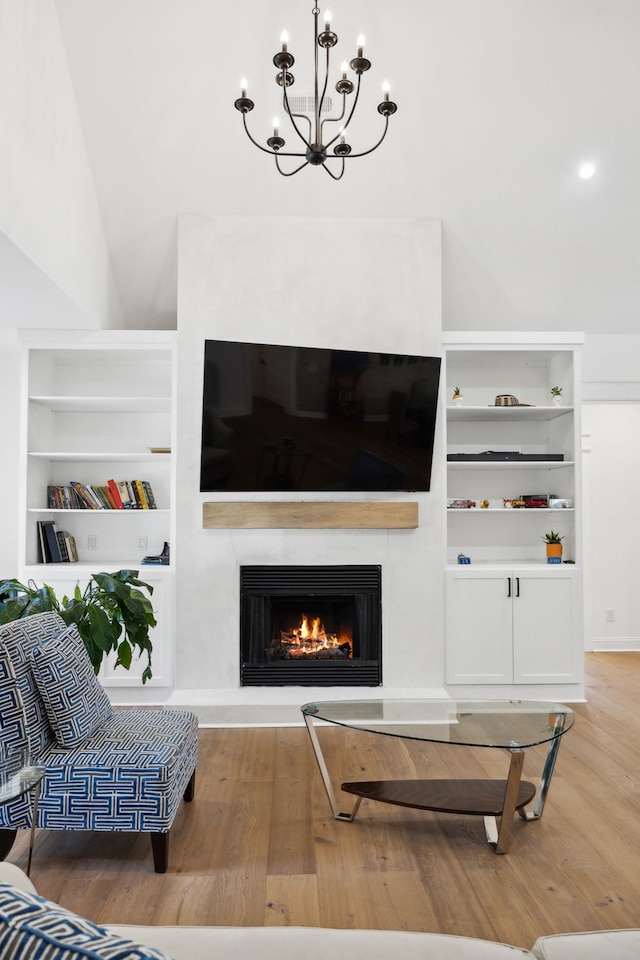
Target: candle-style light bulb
{"points": [[276, 126], [327, 19], [385, 89], [243, 87], [284, 37], [344, 67], [360, 43]]}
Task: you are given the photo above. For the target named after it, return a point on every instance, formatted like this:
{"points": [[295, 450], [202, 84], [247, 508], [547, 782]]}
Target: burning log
{"points": [[309, 641]]}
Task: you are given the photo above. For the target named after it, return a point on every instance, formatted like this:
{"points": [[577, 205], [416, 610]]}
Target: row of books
{"points": [[55, 546], [113, 495]]}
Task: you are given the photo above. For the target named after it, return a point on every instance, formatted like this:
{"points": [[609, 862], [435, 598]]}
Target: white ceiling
{"points": [[499, 102]]}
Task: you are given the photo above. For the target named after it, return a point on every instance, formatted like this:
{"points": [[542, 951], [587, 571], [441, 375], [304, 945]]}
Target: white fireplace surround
{"points": [[377, 287]]}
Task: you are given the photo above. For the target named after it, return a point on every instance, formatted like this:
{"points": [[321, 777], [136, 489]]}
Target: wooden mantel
{"points": [[323, 515]]}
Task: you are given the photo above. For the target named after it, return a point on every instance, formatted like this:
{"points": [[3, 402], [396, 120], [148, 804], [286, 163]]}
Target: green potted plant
{"points": [[111, 614], [457, 395], [553, 541], [556, 395]]}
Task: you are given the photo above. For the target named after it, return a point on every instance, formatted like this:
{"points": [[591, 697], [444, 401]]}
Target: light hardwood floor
{"points": [[258, 845]]}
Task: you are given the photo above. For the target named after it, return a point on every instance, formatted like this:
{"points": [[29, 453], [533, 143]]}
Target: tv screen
{"points": [[312, 419]]}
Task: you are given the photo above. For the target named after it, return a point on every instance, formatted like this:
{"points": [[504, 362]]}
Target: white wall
{"points": [[611, 466], [48, 204], [9, 462], [374, 284], [612, 524]]}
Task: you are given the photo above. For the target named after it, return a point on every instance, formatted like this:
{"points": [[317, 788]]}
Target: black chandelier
{"points": [[319, 137]]}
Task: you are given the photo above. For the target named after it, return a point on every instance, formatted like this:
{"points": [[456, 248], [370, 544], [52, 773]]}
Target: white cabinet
{"points": [[100, 406], [512, 626], [511, 618]]}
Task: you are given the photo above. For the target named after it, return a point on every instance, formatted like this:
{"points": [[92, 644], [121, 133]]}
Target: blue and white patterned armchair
{"points": [[117, 770]]}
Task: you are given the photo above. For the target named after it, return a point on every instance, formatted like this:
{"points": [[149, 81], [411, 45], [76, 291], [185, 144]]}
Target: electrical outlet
{"points": [[92, 542], [610, 616], [142, 543]]}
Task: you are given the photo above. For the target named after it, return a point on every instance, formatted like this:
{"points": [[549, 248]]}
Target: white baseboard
{"points": [[613, 644]]}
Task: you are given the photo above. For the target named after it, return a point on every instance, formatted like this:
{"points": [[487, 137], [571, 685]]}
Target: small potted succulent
{"points": [[456, 396], [553, 541], [556, 395]]}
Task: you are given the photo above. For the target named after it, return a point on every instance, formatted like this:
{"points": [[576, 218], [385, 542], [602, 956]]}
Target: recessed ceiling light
{"points": [[586, 171]]}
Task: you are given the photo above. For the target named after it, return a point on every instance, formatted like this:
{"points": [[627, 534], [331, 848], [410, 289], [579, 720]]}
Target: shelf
{"points": [[83, 569], [97, 404], [89, 404], [514, 510], [509, 464], [509, 565], [318, 515], [472, 414], [99, 455], [92, 513]]}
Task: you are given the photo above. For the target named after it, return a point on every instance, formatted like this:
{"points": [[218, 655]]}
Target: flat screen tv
{"points": [[312, 419]]}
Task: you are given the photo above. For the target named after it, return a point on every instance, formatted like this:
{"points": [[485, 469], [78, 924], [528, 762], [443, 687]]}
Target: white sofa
{"points": [[316, 943]]}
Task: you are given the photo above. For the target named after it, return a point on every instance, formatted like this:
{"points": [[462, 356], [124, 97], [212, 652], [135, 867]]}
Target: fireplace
{"points": [[310, 625]]}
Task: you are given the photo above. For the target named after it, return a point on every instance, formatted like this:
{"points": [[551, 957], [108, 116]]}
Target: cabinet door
{"points": [[479, 626], [545, 628]]}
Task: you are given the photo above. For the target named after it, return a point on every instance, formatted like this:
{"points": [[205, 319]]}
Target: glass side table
{"points": [[17, 777]]}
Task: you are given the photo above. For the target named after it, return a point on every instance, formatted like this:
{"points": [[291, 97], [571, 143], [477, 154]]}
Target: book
{"points": [[54, 497], [99, 495], [52, 550], [70, 543], [62, 546], [115, 494], [138, 492], [125, 494], [151, 500], [42, 549], [84, 497]]}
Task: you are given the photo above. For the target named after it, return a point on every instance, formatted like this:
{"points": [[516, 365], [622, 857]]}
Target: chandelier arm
{"points": [[351, 112], [291, 172], [364, 153], [332, 175], [335, 120], [272, 153]]}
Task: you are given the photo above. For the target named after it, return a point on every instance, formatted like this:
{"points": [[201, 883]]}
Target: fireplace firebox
{"points": [[311, 625]]}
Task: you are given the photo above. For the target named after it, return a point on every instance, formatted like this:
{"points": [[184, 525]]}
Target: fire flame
{"points": [[311, 637]]}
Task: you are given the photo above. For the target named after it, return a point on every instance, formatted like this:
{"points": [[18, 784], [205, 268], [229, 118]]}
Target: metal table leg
{"points": [[34, 815], [326, 779], [547, 772], [499, 839]]}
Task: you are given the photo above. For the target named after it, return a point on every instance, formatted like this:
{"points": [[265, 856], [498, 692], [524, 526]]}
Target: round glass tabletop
{"points": [[507, 724]]}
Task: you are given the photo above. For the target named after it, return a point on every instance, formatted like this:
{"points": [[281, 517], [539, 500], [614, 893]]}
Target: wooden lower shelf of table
{"points": [[480, 798]]}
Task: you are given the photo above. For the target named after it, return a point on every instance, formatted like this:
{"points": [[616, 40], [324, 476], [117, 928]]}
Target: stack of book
{"points": [[113, 495], [55, 546]]}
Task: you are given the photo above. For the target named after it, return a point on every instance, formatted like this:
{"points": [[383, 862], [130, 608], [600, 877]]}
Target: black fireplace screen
{"points": [[310, 625]]}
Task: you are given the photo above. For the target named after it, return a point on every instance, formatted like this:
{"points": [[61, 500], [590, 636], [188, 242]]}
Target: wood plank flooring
{"points": [[258, 845]]}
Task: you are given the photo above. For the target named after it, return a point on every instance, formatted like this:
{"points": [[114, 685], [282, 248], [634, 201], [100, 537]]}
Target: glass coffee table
{"points": [[511, 725], [19, 776]]}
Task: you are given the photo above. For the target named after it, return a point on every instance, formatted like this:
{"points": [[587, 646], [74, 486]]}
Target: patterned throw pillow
{"points": [[32, 927], [74, 699]]}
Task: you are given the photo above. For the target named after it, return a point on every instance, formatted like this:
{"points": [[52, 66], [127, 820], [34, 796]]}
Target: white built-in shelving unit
{"points": [[513, 621], [95, 404]]}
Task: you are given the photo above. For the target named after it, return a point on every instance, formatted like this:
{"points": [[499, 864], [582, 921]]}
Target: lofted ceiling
{"points": [[499, 102]]}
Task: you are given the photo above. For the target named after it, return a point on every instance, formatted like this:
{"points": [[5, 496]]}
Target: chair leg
{"points": [[190, 791], [7, 838], [160, 847]]}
